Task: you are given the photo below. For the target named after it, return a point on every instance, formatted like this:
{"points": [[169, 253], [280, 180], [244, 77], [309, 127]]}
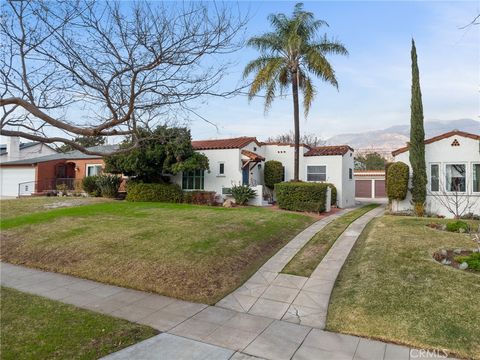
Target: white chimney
{"points": [[13, 148]]}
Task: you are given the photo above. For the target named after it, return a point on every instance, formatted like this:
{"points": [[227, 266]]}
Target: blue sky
{"points": [[375, 79]]}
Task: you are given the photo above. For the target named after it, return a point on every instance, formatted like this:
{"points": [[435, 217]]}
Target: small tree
{"points": [[163, 151], [397, 181], [456, 202], [417, 141], [85, 142], [370, 161]]}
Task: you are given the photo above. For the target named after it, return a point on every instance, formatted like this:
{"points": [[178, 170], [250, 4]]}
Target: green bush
{"points": [[334, 194], [199, 197], [108, 185], [90, 186], [301, 196], [397, 181], [458, 226], [138, 191], [242, 193], [273, 173], [387, 166], [473, 260]]}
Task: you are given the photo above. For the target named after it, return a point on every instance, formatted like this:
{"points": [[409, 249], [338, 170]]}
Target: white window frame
{"points": [[87, 166], [471, 169], [466, 177], [439, 177], [218, 168], [306, 172]]}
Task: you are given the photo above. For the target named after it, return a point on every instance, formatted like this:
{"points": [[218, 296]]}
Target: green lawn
{"points": [[33, 327], [391, 289], [195, 253], [308, 258], [28, 205]]}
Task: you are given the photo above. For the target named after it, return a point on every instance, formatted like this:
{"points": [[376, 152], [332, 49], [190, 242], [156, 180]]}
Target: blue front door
{"points": [[245, 175]]}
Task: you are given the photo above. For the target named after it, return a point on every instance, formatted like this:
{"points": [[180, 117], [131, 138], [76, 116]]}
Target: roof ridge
{"points": [[438, 138]]}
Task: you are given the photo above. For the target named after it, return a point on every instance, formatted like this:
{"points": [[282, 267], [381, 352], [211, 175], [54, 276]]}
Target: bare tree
{"points": [[457, 202], [91, 68], [288, 138]]}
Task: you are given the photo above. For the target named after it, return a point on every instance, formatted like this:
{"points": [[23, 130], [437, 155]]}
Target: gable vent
{"points": [[455, 143]]}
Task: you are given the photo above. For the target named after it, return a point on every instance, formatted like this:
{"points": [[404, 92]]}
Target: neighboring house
{"points": [[15, 150], [241, 161], [453, 172], [41, 174], [370, 184]]}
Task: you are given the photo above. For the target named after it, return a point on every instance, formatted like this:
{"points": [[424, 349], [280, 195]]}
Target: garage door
{"points": [[10, 177], [363, 188], [380, 189]]}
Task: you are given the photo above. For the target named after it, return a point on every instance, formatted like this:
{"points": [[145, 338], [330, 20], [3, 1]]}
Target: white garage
{"points": [[11, 176]]}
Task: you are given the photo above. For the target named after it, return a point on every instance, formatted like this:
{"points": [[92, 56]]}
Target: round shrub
{"points": [[108, 185], [138, 191], [301, 196], [273, 173], [458, 226], [90, 186], [397, 181], [242, 193]]}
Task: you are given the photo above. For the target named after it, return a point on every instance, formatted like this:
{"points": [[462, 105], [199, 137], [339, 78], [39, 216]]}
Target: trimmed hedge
{"points": [[301, 196], [273, 173], [137, 191], [397, 181], [199, 197]]}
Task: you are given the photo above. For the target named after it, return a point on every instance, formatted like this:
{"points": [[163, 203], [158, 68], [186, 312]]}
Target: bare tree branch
{"points": [[87, 68]]}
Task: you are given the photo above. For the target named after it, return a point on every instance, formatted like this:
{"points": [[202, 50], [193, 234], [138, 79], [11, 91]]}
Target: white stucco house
{"points": [[16, 150], [241, 161], [453, 172]]}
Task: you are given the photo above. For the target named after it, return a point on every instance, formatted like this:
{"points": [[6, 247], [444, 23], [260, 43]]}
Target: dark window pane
{"points": [[222, 169], [434, 178], [476, 177]]}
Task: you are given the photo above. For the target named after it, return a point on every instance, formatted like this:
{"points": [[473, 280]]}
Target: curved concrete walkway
{"points": [[198, 331], [269, 293]]}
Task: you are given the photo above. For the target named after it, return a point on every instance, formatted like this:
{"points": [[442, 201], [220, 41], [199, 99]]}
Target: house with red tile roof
{"points": [[241, 160], [453, 174]]}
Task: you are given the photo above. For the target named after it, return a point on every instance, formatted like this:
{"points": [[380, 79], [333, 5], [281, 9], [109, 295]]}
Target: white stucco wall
{"points": [[337, 169], [29, 153], [442, 153], [337, 173], [213, 180]]}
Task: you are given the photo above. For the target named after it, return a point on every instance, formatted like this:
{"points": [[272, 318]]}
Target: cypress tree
{"points": [[417, 137]]}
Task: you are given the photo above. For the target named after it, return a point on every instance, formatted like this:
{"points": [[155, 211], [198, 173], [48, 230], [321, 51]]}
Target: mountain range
{"points": [[394, 137]]}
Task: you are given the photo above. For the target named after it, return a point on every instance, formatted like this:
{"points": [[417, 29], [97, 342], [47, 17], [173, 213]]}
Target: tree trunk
{"points": [[296, 129]]}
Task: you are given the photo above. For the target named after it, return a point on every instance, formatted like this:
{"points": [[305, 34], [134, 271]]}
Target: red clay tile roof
{"points": [[328, 150], [369, 172], [234, 143], [440, 137], [252, 156]]}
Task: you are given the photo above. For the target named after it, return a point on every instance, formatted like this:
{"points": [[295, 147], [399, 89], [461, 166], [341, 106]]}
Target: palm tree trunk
{"points": [[296, 130]]}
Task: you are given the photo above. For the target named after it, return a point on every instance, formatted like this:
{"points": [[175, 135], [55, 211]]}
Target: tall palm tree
{"points": [[290, 54]]}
